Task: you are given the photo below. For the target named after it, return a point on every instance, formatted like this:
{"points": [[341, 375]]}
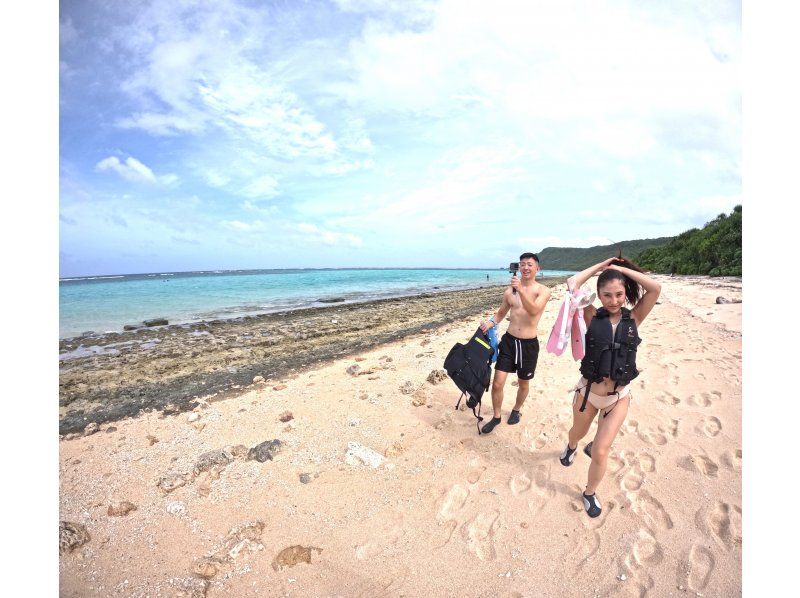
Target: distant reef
{"points": [[579, 258]]}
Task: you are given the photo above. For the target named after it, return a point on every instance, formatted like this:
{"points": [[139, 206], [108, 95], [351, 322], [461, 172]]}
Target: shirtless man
{"points": [[519, 347]]}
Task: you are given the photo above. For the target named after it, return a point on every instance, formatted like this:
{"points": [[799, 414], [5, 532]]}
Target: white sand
{"points": [[449, 513]]}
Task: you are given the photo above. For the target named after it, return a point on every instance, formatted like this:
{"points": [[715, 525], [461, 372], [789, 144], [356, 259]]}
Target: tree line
{"points": [[715, 249]]}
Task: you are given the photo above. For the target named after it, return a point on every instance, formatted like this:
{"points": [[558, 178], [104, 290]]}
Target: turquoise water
{"points": [[107, 303]]}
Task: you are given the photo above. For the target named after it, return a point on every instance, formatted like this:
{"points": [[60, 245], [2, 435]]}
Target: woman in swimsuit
{"points": [[620, 282]]}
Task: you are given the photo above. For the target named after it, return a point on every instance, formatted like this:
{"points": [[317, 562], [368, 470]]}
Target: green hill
{"points": [[579, 258], [715, 249]]}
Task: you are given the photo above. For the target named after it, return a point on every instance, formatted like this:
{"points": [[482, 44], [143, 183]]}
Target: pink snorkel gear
{"points": [[570, 323]]}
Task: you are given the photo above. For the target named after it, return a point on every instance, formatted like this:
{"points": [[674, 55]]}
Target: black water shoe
{"points": [[489, 426], [592, 505], [514, 417], [587, 450], [568, 456]]}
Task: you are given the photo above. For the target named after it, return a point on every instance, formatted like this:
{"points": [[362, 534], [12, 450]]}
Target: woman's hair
{"points": [[633, 291]]}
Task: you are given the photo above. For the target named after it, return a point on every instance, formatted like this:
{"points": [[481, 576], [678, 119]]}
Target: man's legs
{"points": [[497, 391], [497, 400], [522, 393]]}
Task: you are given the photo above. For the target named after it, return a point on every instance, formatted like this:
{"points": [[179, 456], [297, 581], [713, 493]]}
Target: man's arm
{"points": [[498, 316]]}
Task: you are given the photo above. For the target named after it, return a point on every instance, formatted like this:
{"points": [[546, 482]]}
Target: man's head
{"points": [[528, 265]]}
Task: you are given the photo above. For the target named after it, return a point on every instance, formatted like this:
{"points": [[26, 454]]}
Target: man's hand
{"points": [[515, 282], [486, 325]]}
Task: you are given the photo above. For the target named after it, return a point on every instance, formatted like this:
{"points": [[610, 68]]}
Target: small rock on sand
{"points": [[71, 535], [395, 449], [170, 481], [305, 478], [176, 508], [437, 376], [289, 557], [219, 457], [258, 379], [721, 300], [354, 369], [419, 400], [408, 388], [360, 359], [265, 451], [279, 387], [205, 568], [155, 322], [120, 509], [151, 439], [190, 587], [193, 417], [91, 429], [358, 454], [286, 416]]}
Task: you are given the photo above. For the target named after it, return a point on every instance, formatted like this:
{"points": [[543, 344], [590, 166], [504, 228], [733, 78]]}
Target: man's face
{"points": [[528, 268]]}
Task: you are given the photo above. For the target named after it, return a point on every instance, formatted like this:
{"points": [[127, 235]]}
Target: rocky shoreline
{"points": [[107, 377]]}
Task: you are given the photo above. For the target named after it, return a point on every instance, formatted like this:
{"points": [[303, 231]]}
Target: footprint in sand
{"points": [[630, 425], [632, 481], [732, 459], [452, 502], [386, 539], [448, 528], [520, 483], [706, 466], [725, 522], [701, 399], [647, 551], [672, 427], [542, 489], [653, 437], [479, 535], [582, 547], [646, 462], [667, 398], [710, 426], [614, 465], [637, 585], [476, 472], [651, 511], [699, 568]]}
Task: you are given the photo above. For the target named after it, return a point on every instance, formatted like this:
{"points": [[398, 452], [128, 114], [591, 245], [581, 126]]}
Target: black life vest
{"points": [[610, 355], [470, 367]]}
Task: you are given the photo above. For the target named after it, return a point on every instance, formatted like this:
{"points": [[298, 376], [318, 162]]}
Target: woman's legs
{"points": [[581, 420], [607, 429]]}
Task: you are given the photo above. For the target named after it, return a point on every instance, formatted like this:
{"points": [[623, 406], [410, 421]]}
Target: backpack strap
{"points": [[477, 415], [585, 395]]}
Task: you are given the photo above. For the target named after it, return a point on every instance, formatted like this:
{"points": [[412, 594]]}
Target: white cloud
{"points": [[328, 237], [131, 170], [262, 187], [248, 227], [67, 31]]}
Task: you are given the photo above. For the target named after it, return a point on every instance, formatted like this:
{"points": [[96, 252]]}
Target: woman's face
{"points": [[612, 295]]}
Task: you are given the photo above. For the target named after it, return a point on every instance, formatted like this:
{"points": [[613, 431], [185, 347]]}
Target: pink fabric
{"points": [[570, 323]]}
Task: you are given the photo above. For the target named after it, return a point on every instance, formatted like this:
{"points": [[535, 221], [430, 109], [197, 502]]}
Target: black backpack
{"points": [[470, 367]]}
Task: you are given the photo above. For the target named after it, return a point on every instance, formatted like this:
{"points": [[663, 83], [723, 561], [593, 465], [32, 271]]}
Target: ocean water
{"points": [[107, 303]]}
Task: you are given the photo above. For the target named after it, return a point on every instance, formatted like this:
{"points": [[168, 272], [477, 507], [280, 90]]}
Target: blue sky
{"points": [[227, 134]]}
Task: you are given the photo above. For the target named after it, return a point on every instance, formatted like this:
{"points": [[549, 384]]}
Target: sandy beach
{"points": [[353, 474]]}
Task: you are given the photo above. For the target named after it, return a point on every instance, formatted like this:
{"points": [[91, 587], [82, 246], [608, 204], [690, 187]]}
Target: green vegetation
{"points": [[715, 249], [573, 258]]}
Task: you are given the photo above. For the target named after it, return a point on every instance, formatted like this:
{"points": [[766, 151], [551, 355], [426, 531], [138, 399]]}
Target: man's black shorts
{"points": [[518, 355]]}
